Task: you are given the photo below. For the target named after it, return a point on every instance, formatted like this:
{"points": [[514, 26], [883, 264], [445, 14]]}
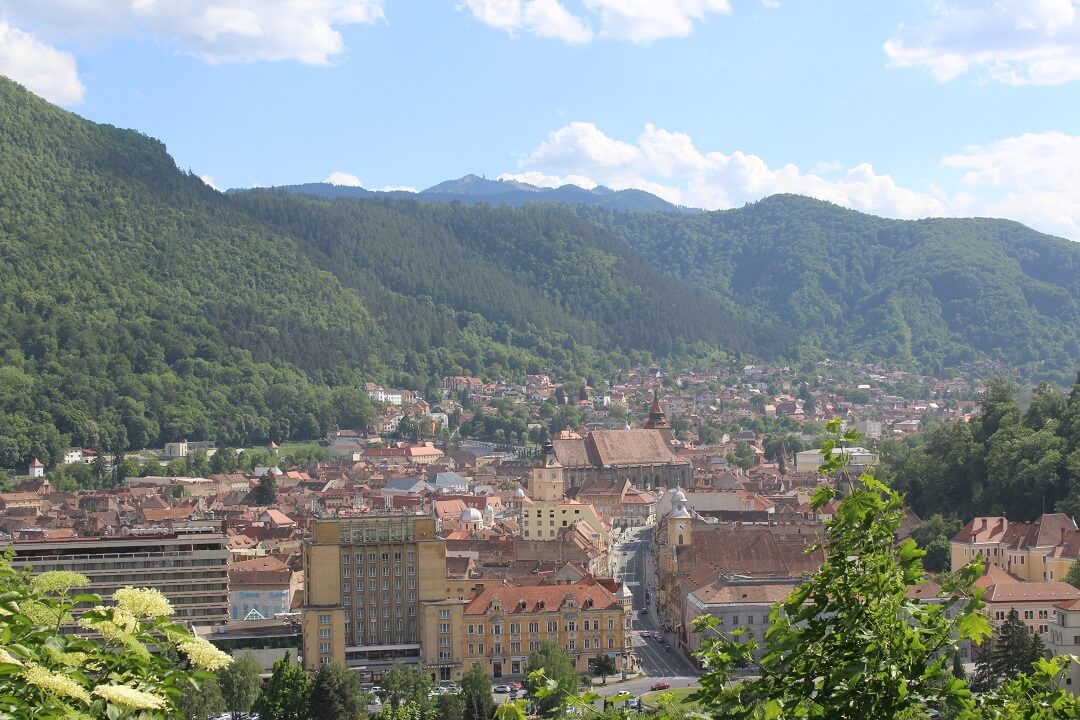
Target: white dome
{"points": [[471, 515], [519, 493], [679, 513], [678, 497]]}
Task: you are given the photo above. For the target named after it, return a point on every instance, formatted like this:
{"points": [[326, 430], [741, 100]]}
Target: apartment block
{"points": [[191, 567], [365, 581]]}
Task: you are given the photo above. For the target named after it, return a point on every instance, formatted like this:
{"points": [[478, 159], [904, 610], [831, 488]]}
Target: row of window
{"points": [[373, 585], [373, 571], [385, 557], [534, 627], [477, 648]]}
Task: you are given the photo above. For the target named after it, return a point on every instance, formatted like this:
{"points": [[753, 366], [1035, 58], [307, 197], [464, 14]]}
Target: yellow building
{"points": [[550, 510], [366, 580], [501, 626], [1033, 551]]}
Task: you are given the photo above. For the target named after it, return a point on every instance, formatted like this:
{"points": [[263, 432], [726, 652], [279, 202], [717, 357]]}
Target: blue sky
{"points": [[909, 108]]}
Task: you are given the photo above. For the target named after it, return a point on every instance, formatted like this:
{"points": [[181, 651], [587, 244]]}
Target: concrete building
{"points": [[190, 566], [365, 581], [861, 460], [260, 588]]}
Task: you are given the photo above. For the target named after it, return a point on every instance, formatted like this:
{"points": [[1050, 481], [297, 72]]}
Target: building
{"points": [[1064, 639], [365, 581], [424, 453], [190, 566], [550, 510], [642, 456], [1034, 602], [36, 469], [501, 626], [260, 588], [860, 460], [738, 604], [619, 503], [1042, 550]]}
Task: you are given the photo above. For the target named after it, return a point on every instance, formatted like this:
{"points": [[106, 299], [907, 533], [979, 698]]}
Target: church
{"points": [[642, 456]]}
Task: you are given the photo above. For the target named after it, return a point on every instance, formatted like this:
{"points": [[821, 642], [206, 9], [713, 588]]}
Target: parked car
{"points": [[660, 686], [643, 611], [633, 704], [501, 689]]}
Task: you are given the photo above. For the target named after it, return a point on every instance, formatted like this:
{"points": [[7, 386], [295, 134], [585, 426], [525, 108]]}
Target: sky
{"points": [[901, 108]]}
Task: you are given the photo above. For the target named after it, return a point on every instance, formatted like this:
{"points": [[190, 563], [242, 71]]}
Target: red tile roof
{"points": [[540, 598]]}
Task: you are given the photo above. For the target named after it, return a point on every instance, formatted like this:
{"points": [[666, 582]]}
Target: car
{"points": [[501, 689], [515, 685], [660, 686], [643, 611], [633, 704]]}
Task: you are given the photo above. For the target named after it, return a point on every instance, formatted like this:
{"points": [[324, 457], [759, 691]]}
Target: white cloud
{"points": [[43, 69], [639, 21], [539, 179], [1012, 41], [217, 31], [1033, 178], [341, 178], [398, 188], [209, 182], [545, 18]]}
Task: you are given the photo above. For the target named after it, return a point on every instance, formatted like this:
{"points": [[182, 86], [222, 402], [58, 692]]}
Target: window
{"points": [[515, 647], [1029, 615], [324, 633], [386, 584], [534, 627], [386, 571], [497, 649], [397, 557], [472, 649], [444, 642], [372, 571], [515, 629], [572, 645], [496, 629], [386, 557], [324, 619], [324, 647], [586, 643], [345, 571], [480, 629], [480, 647], [371, 558], [444, 614], [412, 570], [472, 629], [397, 571], [534, 645], [553, 626], [611, 624], [373, 585], [610, 642], [571, 626], [444, 627], [1043, 614], [411, 557], [735, 620]]}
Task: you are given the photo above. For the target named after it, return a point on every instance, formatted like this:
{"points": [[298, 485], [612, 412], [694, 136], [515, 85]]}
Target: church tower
{"points": [[679, 521], [658, 421], [547, 482]]}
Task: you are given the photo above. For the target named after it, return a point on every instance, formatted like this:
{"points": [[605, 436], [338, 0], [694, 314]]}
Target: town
{"points": [[608, 523]]}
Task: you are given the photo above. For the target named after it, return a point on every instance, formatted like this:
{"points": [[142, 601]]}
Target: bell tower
{"points": [[658, 421], [547, 482]]}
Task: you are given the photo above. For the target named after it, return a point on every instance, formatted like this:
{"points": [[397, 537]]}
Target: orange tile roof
{"points": [[537, 599]]}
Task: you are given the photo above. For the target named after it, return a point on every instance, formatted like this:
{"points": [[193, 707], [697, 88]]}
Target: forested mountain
{"points": [[140, 306], [472, 190], [532, 277], [927, 294]]}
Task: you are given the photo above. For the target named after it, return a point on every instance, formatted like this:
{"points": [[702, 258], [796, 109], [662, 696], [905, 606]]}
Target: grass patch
{"points": [[676, 697]]}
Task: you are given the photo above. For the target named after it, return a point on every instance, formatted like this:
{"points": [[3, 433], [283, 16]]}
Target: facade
{"points": [[550, 511], [643, 456], [861, 459], [1064, 639], [1034, 602], [260, 588], [365, 581], [1042, 550], [191, 567], [619, 503], [738, 604], [503, 625]]}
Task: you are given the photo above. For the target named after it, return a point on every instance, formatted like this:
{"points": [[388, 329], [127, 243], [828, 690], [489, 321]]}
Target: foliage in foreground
{"points": [[849, 643], [47, 674]]}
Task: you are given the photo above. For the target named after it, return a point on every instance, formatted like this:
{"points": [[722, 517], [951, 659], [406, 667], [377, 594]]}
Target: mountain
{"points": [[472, 189], [927, 294], [141, 306]]}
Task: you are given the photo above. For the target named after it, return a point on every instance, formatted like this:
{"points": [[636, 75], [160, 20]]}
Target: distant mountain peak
{"points": [[475, 185]]}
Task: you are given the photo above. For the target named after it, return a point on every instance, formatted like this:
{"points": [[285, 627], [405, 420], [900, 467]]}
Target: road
{"points": [[660, 660]]}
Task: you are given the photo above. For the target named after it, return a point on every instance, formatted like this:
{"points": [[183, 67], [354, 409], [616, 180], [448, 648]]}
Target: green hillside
{"points": [[141, 307], [927, 294]]}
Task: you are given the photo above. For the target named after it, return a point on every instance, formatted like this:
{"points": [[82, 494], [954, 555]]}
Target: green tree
{"points": [[266, 491], [101, 665], [240, 684], [1073, 576], [604, 665], [287, 695], [451, 706], [176, 468], [476, 689], [203, 702], [850, 643], [403, 684], [99, 468], [933, 536], [560, 673], [335, 694], [1012, 650]]}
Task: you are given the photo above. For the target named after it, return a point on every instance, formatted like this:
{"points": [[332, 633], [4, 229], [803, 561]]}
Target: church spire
{"points": [[656, 420]]}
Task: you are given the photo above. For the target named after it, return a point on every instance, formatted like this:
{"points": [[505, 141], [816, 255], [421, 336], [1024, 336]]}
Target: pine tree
{"points": [[1012, 650]]}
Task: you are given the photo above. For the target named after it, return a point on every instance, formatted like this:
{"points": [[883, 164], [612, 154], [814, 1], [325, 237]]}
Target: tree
{"points": [[335, 694], [201, 703], [558, 669], [1013, 649], [98, 467], [120, 467], [850, 643], [240, 683], [266, 491], [451, 706], [476, 689], [403, 684], [1073, 576], [604, 666], [933, 536], [102, 667], [288, 694]]}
